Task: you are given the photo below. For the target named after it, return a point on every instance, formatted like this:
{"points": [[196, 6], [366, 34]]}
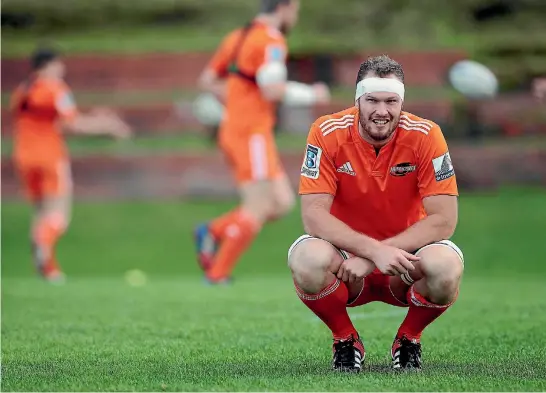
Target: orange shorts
{"points": [[45, 179], [252, 157]]}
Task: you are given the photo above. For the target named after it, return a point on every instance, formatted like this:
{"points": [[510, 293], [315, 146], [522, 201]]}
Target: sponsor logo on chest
{"points": [[402, 169]]}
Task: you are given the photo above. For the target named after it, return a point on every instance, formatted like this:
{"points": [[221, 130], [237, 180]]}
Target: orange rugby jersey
{"points": [[247, 111], [37, 105], [379, 195]]}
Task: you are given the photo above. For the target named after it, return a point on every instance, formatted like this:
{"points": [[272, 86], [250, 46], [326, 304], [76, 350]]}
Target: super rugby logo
{"points": [[403, 169], [311, 162]]}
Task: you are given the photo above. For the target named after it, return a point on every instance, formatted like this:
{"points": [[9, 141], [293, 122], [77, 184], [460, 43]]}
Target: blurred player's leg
{"points": [[243, 225], [51, 218], [265, 194], [261, 202], [284, 197], [313, 263], [430, 290]]}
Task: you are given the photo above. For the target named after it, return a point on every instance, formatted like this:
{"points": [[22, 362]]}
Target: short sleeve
{"points": [[436, 174], [222, 57], [65, 103], [318, 175]]}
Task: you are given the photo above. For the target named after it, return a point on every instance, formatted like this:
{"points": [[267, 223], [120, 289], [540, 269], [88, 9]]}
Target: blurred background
{"points": [[136, 201], [143, 59]]}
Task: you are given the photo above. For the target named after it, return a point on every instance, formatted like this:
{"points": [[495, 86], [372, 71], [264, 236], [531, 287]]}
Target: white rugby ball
{"points": [[473, 79], [208, 110]]}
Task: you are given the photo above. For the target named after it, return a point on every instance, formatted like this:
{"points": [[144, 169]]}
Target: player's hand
{"points": [[122, 131], [355, 269], [393, 261], [322, 92], [118, 128]]}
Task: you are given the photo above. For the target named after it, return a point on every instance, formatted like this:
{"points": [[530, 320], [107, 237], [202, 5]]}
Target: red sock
{"points": [[237, 237], [330, 305], [219, 225], [421, 314]]}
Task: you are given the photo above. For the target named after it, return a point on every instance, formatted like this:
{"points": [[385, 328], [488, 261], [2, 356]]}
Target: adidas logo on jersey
{"points": [[347, 168]]}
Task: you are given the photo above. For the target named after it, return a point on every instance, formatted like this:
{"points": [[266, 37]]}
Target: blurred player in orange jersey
{"points": [[248, 73], [43, 107], [379, 203]]}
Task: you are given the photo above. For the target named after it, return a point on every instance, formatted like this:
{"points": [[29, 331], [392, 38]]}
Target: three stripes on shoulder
{"points": [[331, 125]]}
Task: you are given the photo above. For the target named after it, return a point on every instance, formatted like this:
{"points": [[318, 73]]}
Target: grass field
{"points": [[180, 38], [97, 333], [184, 143], [128, 98], [171, 143], [113, 26]]}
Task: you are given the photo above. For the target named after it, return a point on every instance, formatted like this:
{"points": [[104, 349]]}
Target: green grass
{"points": [[187, 38], [97, 333], [185, 143], [131, 98], [181, 38], [145, 145], [124, 98], [114, 26]]}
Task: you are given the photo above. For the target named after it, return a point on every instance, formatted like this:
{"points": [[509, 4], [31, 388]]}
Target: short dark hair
{"points": [[382, 66], [269, 6], [41, 57]]}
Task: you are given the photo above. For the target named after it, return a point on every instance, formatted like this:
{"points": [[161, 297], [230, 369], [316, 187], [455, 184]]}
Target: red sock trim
{"points": [[420, 301], [325, 292], [396, 299]]}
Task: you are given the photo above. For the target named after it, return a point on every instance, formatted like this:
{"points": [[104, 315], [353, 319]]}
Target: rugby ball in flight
{"points": [[208, 110], [473, 79]]}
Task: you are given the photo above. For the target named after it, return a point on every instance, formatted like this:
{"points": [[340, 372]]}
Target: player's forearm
{"points": [[290, 93], [84, 124], [92, 125], [428, 230], [323, 225], [296, 94]]}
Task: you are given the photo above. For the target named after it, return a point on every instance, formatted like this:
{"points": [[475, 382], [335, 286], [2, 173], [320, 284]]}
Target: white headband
{"points": [[375, 85]]}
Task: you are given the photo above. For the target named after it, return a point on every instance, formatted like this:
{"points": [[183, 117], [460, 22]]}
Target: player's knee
{"points": [[261, 210], [259, 200], [284, 204], [443, 269], [310, 261], [312, 254]]}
